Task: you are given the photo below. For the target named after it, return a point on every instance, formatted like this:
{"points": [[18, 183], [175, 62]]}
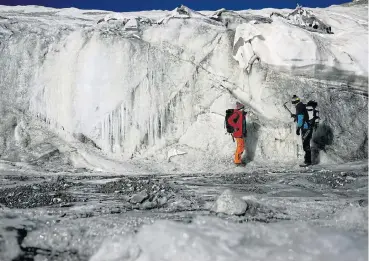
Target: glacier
{"points": [[102, 89], [113, 146]]}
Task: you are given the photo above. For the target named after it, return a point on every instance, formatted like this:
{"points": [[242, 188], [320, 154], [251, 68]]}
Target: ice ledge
{"points": [[292, 48]]}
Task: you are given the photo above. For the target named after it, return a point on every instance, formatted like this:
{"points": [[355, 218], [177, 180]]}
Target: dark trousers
{"points": [[306, 136]]}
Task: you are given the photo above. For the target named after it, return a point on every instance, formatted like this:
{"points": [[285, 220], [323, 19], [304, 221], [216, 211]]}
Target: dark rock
{"points": [[363, 202], [148, 205]]}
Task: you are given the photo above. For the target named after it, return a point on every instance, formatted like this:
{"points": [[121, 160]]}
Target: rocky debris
{"points": [[232, 19], [229, 204], [133, 185], [139, 193], [139, 197], [64, 237], [124, 20], [247, 178], [305, 19], [333, 180], [150, 192], [37, 195], [16, 178]]}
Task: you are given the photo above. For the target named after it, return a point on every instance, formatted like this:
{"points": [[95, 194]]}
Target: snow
{"points": [[209, 239], [148, 90]]}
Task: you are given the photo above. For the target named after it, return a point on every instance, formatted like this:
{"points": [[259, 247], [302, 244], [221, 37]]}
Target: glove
{"points": [[294, 117], [298, 132]]}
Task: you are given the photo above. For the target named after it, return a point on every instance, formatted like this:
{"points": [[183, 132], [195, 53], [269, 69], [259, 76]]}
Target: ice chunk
{"points": [[132, 24], [139, 197], [175, 152], [230, 204]]}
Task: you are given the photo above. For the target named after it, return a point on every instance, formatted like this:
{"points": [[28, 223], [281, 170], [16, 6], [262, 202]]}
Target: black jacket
{"points": [[302, 116]]}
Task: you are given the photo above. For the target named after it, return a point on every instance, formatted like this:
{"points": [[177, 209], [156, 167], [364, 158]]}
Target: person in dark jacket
{"points": [[303, 127], [238, 121]]}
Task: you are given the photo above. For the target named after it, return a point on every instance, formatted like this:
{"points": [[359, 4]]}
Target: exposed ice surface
{"points": [[301, 214], [101, 90], [91, 100], [212, 239]]}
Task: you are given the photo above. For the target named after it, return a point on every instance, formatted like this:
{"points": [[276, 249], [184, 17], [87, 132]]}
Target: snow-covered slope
{"points": [[153, 85]]}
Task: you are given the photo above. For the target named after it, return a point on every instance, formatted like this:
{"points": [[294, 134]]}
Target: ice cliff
{"points": [[87, 87]]}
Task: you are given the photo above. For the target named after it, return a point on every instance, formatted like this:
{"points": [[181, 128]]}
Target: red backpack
{"points": [[230, 128]]}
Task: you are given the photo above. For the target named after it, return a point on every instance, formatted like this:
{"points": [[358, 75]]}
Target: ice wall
{"points": [[141, 84]]}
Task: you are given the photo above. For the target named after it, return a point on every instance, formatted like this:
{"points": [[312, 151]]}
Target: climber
{"points": [[303, 125], [236, 125]]}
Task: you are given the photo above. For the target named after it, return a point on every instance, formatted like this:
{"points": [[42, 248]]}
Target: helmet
{"points": [[239, 106], [295, 99]]}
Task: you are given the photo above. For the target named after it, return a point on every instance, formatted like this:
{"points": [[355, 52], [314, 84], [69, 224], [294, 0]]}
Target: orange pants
{"points": [[239, 150]]}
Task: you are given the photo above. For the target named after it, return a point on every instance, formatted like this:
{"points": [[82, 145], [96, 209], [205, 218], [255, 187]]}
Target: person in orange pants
{"points": [[238, 121], [239, 150]]}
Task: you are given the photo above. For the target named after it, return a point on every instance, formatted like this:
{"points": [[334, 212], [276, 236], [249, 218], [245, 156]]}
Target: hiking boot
{"points": [[305, 164], [241, 164]]}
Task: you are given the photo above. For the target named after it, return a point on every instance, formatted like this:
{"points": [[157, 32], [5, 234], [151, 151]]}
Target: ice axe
{"points": [[292, 115]]}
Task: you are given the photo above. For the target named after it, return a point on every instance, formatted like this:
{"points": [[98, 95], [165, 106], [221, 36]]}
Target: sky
{"points": [[138, 5]]}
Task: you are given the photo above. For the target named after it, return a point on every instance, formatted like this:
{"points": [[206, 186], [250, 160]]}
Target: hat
{"points": [[239, 105], [295, 99]]}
